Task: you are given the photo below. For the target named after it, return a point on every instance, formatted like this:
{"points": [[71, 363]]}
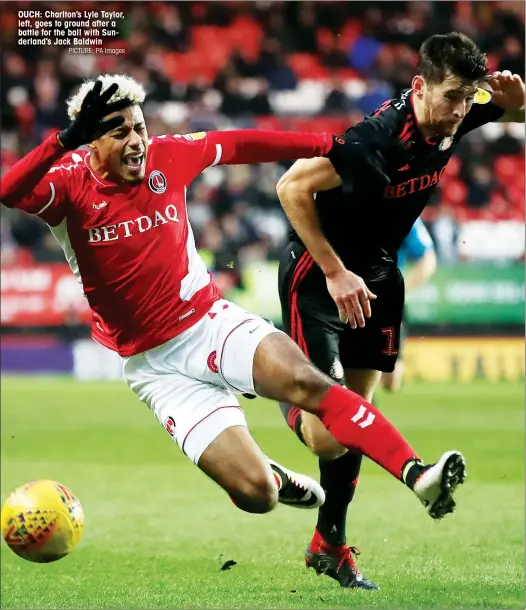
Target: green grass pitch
{"points": [[157, 531]]}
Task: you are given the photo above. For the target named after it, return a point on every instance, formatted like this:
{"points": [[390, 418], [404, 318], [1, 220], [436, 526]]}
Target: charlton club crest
{"points": [[446, 143], [157, 182], [169, 425]]}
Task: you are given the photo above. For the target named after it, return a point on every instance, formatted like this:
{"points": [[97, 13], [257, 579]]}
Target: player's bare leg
{"points": [[255, 483], [283, 373], [236, 463], [393, 381]]}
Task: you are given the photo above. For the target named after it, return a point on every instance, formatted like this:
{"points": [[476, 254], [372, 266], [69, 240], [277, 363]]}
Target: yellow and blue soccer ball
{"points": [[42, 521]]}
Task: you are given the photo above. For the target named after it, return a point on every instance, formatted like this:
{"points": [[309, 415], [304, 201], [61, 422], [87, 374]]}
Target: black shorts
{"points": [[311, 318]]}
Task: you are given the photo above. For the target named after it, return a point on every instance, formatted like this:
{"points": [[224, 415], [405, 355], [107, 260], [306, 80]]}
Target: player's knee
{"points": [[256, 494], [306, 385]]}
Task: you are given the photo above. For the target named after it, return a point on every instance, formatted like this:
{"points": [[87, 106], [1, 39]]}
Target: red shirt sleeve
{"points": [[37, 184], [248, 146]]}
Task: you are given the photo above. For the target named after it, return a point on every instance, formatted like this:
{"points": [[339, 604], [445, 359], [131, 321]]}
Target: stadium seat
{"points": [[247, 34], [454, 193], [307, 66], [188, 67], [348, 34], [508, 167], [325, 38], [453, 169]]}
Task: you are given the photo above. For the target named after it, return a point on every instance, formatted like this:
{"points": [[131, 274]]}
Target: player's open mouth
{"points": [[133, 161]]}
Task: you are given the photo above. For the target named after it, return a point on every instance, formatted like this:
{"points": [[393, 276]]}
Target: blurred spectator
{"points": [[445, 232], [376, 94], [278, 28], [512, 56], [50, 111], [337, 101], [364, 53], [169, 30], [245, 98], [396, 66], [506, 144], [17, 87], [273, 66], [244, 65], [411, 26], [367, 46], [259, 103], [305, 31], [331, 56], [480, 187], [234, 102]]}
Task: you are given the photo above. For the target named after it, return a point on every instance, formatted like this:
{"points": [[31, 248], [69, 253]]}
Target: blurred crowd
{"points": [[293, 65]]}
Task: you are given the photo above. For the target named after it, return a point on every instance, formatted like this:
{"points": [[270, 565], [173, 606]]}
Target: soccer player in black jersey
{"points": [[341, 291]]}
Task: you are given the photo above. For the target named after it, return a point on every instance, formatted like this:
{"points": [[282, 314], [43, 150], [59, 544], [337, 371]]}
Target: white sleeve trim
{"points": [[219, 154], [50, 200]]}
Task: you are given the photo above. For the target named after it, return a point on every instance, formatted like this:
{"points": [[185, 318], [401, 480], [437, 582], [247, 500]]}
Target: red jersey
{"points": [[131, 245]]}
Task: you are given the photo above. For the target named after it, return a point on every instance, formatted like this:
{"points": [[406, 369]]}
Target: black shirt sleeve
{"points": [[361, 148], [479, 115]]}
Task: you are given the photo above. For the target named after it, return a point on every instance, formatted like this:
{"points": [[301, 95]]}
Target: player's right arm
{"points": [[32, 184], [296, 191], [29, 185]]}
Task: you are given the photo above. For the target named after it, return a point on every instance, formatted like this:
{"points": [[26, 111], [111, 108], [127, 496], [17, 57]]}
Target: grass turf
{"points": [[157, 531]]}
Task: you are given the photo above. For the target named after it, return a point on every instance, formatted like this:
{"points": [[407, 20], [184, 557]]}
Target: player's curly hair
{"points": [[128, 89], [453, 53]]}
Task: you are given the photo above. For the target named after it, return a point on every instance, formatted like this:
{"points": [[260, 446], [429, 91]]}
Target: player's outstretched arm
{"points": [[246, 146], [296, 191]]}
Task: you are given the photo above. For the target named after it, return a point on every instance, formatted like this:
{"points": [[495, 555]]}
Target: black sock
{"points": [[338, 478], [292, 416]]}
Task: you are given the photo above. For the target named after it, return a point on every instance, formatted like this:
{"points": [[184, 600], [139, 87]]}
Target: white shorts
{"points": [[190, 382]]}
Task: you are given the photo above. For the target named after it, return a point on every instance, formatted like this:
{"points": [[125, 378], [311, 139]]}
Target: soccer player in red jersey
{"points": [[119, 212]]}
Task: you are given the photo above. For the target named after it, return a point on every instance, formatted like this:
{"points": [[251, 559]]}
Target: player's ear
{"points": [[417, 85]]}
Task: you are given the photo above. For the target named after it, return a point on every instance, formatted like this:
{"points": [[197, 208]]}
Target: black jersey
{"points": [[367, 226]]}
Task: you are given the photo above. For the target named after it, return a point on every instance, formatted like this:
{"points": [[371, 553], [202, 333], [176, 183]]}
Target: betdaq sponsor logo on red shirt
{"points": [[128, 228]]}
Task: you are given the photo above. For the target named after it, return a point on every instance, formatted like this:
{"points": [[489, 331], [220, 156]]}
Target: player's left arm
{"points": [[509, 95], [506, 105], [246, 146]]}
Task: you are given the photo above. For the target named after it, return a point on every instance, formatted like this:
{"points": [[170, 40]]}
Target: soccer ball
{"points": [[42, 521]]}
